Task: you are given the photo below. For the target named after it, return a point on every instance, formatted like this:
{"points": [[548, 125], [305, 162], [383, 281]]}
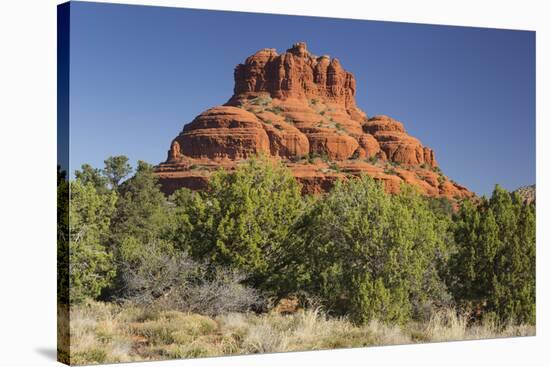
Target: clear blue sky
{"points": [[139, 73]]}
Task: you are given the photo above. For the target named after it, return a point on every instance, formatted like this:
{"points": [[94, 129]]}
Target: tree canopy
{"points": [[358, 250]]}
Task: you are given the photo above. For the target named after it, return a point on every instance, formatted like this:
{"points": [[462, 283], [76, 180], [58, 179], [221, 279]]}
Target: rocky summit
{"points": [[301, 109]]}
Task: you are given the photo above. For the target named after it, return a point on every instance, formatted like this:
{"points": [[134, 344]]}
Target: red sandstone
{"points": [[301, 109]]}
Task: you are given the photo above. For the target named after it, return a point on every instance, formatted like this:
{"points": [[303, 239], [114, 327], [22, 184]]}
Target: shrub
{"points": [[276, 110], [91, 267], [141, 211], [441, 205], [493, 269], [244, 217], [157, 274], [333, 166], [261, 100], [311, 157], [367, 253], [373, 159]]}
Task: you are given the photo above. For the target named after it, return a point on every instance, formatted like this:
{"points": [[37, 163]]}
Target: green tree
{"points": [[91, 267], [95, 176], [183, 201], [141, 210], [493, 269], [116, 168], [367, 253], [244, 217], [441, 205]]}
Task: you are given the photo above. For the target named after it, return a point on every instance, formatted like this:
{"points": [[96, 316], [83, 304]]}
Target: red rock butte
{"points": [[301, 109]]}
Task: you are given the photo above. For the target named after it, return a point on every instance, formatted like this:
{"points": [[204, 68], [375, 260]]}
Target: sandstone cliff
{"points": [[301, 108]]}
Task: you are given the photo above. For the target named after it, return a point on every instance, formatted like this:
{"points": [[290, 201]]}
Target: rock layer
{"points": [[301, 109]]}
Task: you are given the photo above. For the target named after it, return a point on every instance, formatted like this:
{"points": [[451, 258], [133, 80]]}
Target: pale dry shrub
{"points": [[518, 330], [224, 293], [95, 336], [384, 334], [63, 333], [156, 279], [174, 327], [263, 337], [303, 330], [446, 324], [449, 325]]}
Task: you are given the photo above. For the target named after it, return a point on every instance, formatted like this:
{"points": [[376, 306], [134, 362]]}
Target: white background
{"points": [[28, 181]]}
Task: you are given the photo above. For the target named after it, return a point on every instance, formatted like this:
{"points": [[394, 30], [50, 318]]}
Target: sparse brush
{"points": [[261, 100], [108, 333], [156, 278], [276, 110]]}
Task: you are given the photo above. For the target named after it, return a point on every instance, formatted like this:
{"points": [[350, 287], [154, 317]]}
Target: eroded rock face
{"points": [[294, 74], [224, 132], [397, 145], [301, 108]]}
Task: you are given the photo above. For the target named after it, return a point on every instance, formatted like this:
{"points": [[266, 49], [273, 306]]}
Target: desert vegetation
{"points": [[250, 265], [110, 332]]}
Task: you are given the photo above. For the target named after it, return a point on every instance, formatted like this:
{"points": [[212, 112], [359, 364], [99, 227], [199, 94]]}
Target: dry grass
{"points": [[102, 333]]}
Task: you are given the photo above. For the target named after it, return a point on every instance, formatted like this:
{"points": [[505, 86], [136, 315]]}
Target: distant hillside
{"points": [[527, 193]]}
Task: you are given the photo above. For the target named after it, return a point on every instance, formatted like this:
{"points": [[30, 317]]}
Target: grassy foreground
{"points": [[106, 333]]}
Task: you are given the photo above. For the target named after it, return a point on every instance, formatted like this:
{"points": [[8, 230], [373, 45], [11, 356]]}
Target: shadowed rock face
{"points": [[301, 108]]}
